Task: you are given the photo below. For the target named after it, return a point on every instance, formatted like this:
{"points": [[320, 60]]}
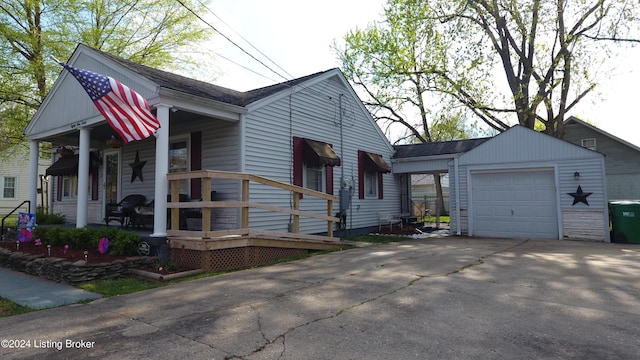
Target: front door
{"points": [[112, 176]]}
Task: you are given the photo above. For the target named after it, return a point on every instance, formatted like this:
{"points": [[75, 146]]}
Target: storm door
{"points": [[112, 176]]}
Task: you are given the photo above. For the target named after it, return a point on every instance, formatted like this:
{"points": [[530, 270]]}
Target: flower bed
{"points": [[69, 266]]}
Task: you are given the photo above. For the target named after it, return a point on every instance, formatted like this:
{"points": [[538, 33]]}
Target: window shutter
{"points": [[59, 194], [298, 162], [380, 194], [329, 179], [360, 174], [94, 184]]}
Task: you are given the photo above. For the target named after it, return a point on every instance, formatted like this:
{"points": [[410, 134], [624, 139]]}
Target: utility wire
{"points": [[231, 41], [245, 40], [240, 65], [318, 93]]}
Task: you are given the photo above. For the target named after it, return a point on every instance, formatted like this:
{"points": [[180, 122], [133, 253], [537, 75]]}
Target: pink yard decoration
{"points": [[25, 235], [66, 247], [103, 245]]}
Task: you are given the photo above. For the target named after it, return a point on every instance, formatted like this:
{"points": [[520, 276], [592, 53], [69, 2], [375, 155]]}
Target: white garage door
{"points": [[519, 204]]}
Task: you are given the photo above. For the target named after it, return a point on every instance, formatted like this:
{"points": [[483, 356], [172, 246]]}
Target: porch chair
{"points": [[387, 218], [124, 210]]}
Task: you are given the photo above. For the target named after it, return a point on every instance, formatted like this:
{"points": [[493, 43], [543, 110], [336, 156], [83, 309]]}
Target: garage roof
{"points": [[436, 148]]}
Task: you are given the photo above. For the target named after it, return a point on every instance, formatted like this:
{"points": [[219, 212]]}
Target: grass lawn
{"points": [[9, 308], [444, 219]]}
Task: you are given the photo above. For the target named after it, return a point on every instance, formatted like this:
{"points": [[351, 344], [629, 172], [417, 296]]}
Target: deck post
{"points": [[245, 208], [329, 223], [296, 218], [175, 212], [206, 211]]}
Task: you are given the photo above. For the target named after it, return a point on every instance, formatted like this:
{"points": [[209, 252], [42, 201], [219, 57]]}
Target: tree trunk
{"points": [[436, 180]]}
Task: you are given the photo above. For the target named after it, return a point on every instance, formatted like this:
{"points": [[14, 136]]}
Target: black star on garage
{"points": [[580, 196], [137, 166]]}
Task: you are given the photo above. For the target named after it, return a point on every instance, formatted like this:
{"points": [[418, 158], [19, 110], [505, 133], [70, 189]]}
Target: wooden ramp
{"points": [[214, 240]]}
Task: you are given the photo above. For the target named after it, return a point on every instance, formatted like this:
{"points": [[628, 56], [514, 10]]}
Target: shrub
{"points": [[50, 219], [120, 242]]}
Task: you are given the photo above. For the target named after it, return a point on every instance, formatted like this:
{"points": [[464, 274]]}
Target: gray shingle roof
{"points": [[436, 148], [203, 89]]}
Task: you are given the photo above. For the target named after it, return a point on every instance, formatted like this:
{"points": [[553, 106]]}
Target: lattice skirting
{"points": [[232, 258]]}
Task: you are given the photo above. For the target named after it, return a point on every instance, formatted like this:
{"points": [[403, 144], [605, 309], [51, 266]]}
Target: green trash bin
{"points": [[625, 221]]}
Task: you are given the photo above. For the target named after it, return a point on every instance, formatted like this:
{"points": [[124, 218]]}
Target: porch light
{"points": [[576, 175]]}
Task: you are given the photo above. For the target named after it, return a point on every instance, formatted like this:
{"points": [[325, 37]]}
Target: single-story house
{"points": [[264, 168], [518, 184], [622, 158], [312, 132]]}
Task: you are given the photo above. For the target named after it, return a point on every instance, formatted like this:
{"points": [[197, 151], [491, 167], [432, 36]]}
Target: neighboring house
{"points": [[518, 184], [13, 180], [424, 195], [308, 132], [622, 159]]}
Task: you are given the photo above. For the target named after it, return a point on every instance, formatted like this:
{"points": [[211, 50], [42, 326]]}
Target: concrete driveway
{"points": [[450, 298]]}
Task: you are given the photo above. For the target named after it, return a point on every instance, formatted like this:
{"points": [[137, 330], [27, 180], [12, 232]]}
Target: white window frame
{"points": [[589, 143], [315, 169], [73, 179], [74, 183], [370, 183], [14, 187]]}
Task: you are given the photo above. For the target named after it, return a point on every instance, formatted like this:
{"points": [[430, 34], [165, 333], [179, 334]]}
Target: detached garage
{"points": [[524, 184]]}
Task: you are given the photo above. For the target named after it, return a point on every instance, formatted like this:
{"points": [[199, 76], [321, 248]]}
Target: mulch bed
{"points": [[407, 230], [72, 254]]}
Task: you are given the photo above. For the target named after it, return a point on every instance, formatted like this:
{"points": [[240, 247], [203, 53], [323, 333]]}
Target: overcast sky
{"points": [[297, 35]]}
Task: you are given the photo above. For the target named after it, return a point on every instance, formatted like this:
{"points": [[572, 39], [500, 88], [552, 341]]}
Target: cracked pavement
{"points": [[422, 298]]}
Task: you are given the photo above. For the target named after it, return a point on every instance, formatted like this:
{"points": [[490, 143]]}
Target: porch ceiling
{"points": [[102, 132]]}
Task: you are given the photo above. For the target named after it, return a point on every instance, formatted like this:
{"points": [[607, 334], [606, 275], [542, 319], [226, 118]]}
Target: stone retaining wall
{"points": [[73, 273]]}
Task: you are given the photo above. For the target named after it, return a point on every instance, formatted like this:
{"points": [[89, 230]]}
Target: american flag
{"points": [[125, 110]]}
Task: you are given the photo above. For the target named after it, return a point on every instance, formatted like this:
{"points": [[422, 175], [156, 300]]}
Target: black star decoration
{"points": [[580, 196], [137, 166]]}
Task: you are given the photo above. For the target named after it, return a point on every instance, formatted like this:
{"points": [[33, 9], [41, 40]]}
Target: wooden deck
{"points": [[209, 239]]}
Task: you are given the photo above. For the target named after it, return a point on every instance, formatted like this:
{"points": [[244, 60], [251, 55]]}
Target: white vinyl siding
{"points": [[313, 113]]}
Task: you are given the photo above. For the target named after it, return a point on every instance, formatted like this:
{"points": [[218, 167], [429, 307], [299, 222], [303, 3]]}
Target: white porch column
{"points": [[32, 193], [162, 169], [83, 178]]}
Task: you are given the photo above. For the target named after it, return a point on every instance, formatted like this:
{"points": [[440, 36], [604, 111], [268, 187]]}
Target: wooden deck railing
{"points": [[207, 204]]}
